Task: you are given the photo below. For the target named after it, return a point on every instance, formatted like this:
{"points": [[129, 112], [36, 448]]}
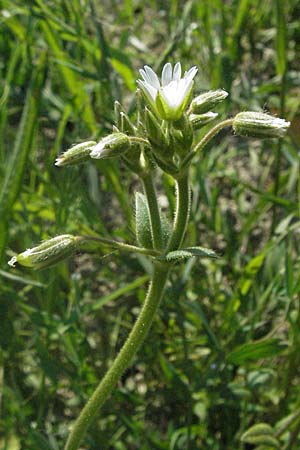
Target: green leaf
{"points": [[142, 221], [254, 351], [280, 42], [250, 272], [190, 252], [260, 434]]}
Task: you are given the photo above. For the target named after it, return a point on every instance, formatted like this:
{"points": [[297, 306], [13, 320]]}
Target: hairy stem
{"points": [[121, 245], [202, 143], [183, 200], [124, 358], [154, 215]]}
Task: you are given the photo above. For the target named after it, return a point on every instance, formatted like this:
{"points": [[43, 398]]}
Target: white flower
{"points": [[169, 97]]}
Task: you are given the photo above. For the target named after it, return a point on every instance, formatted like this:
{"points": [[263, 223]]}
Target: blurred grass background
{"points": [[223, 353]]}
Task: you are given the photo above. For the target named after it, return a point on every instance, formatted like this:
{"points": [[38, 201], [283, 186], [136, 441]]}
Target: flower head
{"points": [[168, 97]]}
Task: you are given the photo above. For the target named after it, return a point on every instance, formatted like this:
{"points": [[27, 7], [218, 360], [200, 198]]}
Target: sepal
{"points": [[114, 144]]}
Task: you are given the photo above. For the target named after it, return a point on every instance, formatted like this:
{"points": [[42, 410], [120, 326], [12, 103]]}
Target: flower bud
{"points": [[114, 144], [259, 125], [75, 155], [199, 120], [48, 253], [207, 101]]}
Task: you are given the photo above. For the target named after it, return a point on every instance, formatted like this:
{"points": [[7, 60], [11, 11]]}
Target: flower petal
{"points": [[148, 90], [177, 71], [189, 75], [166, 75], [152, 77]]}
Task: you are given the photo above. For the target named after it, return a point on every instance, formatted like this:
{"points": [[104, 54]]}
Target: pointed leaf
{"points": [[253, 351], [260, 434], [142, 221], [190, 252]]}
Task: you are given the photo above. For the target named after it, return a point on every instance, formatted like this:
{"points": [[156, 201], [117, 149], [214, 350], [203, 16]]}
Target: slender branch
{"points": [[122, 245], [124, 358], [202, 143], [138, 140], [154, 215], [183, 200]]}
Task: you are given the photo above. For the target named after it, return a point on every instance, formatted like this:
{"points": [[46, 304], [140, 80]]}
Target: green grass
{"points": [[223, 353]]}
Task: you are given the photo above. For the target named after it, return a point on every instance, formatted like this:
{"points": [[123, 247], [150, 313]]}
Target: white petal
{"points": [[152, 77], [144, 75], [189, 75], [171, 94], [148, 89], [184, 88], [166, 75], [177, 71]]}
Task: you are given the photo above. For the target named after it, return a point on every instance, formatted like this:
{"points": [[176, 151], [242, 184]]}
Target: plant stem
{"points": [[183, 200], [202, 143], [154, 215], [121, 245], [139, 140], [124, 358]]}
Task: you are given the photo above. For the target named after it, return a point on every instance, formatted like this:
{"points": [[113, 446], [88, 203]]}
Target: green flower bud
{"points": [[75, 155], [207, 101], [114, 144], [48, 253], [199, 120], [259, 125]]}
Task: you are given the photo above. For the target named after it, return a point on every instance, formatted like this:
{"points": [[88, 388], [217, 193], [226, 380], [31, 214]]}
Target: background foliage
{"points": [[223, 354]]}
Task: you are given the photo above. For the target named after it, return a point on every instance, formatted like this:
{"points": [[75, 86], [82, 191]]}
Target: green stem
{"points": [[124, 358], [139, 140], [202, 143], [121, 245], [183, 200], [155, 221]]}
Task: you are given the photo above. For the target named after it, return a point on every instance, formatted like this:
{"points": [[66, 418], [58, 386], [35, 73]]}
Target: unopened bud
{"points": [[259, 125], [114, 144], [207, 101], [199, 120], [48, 253], [75, 155]]}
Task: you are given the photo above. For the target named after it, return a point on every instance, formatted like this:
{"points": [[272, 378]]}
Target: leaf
{"points": [[142, 221], [250, 272], [254, 351], [190, 252], [260, 434], [280, 42]]}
